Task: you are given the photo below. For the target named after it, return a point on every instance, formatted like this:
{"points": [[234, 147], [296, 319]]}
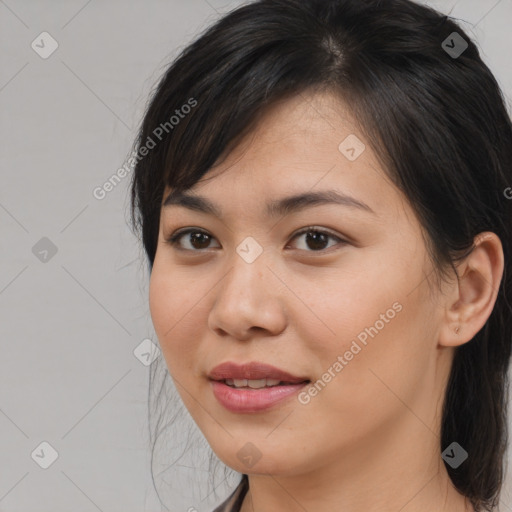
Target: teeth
{"points": [[272, 382], [252, 383], [256, 384]]}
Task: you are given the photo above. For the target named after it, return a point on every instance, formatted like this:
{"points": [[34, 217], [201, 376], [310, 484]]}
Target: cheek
{"points": [[389, 373], [377, 336], [178, 316], [175, 312]]}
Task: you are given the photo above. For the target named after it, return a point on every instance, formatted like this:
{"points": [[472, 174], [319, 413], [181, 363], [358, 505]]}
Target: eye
{"points": [[199, 240], [315, 239]]}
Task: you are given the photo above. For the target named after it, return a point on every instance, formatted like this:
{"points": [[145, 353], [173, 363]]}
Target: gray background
{"points": [[70, 321]]}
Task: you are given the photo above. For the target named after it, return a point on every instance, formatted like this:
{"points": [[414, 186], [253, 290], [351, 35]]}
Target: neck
{"points": [[394, 472]]}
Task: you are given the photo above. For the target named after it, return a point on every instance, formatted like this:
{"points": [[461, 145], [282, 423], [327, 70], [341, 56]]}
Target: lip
{"points": [[244, 400]]}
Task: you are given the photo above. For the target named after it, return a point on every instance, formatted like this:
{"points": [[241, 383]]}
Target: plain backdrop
{"points": [[74, 319]]}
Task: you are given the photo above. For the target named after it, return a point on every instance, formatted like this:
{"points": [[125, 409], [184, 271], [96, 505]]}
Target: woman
{"points": [[322, 199]]}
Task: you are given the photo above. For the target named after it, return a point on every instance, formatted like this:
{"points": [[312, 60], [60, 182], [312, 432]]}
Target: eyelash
{"points": [[174, 238]]}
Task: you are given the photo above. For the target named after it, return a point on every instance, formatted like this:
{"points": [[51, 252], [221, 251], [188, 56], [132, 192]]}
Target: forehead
{"points": [[293, 149], [295, 126]]}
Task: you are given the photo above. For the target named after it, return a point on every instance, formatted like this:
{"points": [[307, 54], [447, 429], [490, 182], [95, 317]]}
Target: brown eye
{"points": [[197, 239], [316, 240]]}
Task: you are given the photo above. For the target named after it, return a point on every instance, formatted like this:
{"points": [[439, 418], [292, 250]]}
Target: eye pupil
{"points": [[319, 240], [200, 237]]}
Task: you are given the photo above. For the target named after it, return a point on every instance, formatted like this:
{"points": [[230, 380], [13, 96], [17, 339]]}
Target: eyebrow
{"points": [[275, 208]]}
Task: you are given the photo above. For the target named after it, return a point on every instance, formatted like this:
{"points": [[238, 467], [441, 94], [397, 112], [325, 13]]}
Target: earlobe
{"points": [[474, 292]]}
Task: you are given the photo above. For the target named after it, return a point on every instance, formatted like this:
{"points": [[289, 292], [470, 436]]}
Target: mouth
{"points": [[256, 383], [253, 387]]}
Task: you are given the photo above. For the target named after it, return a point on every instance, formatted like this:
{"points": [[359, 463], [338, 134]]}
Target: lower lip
{"points": [[253, 400]]}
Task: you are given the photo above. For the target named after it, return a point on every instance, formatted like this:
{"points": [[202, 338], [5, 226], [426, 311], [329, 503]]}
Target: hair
{"points": [[438, 124]]}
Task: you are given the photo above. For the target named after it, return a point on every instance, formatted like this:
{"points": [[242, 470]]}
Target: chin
{"points": [[257, 457]]}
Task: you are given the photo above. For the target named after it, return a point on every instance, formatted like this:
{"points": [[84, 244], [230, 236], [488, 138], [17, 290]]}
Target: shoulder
{"points": [[234, 502]]}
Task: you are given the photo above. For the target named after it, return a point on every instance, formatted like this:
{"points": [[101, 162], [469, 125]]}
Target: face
{"points": [[343, 307]]}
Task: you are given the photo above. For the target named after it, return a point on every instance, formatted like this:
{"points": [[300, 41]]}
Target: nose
{"points": [[247, 301]]}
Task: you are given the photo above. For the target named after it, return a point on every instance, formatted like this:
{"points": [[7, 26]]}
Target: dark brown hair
{"points": [[437, 121]]}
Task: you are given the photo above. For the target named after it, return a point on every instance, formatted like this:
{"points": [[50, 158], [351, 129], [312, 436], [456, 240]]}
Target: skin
{"points": [[369, 440]]}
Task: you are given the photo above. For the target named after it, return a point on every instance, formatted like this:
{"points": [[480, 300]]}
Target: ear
{"points": [[472, 296]]}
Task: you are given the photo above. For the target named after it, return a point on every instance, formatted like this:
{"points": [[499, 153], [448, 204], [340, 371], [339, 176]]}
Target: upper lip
{"points": [[252, 371]]}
